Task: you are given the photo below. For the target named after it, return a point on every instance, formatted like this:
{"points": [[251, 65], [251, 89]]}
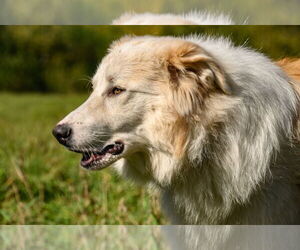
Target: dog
{"points": [[208, 124], [290, 65]]}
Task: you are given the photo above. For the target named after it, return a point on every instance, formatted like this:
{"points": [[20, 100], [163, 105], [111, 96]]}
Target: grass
{"points": [[82, 237], [41, 182]]}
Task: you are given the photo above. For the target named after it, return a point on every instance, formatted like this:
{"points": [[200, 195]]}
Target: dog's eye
{"points": [[115, 91]]}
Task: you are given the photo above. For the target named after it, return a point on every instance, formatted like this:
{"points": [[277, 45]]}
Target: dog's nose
{"points": [[62, 133]]}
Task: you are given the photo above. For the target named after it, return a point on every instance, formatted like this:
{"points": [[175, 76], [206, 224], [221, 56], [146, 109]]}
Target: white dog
{"points": [[208, 124]]}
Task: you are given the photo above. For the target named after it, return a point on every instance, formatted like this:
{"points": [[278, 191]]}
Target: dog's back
{"points": [[291, 66]]}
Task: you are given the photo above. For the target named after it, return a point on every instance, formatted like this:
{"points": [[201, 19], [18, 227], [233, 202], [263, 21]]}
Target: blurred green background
{"points": [[61, 59], [44, 74], [104, 11]]}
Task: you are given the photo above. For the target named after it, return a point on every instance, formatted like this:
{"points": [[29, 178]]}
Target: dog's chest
{"points": [[189, 209]]}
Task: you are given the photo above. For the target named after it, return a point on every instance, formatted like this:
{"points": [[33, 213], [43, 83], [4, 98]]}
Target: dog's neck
{"points": [[206, 189], [197, 194]]}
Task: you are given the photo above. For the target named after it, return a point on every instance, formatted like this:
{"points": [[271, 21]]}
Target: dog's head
{"points": [[147, 93]]}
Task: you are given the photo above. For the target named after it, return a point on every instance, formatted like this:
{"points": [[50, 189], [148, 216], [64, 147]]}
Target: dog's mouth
{"points": [[96, 160]]}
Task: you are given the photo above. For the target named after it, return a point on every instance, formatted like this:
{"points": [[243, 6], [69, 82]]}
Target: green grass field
{"points": [[42, 183]]}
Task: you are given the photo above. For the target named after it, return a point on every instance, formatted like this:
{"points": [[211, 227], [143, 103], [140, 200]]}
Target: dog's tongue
{"points": [[112, 149], [87, 159]]}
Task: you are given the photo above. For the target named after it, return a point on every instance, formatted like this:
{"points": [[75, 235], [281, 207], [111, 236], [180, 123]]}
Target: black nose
{"points": [[62, 133]]}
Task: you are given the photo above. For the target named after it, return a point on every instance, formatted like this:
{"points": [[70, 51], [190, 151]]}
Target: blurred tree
{"points": [[62, 58]]}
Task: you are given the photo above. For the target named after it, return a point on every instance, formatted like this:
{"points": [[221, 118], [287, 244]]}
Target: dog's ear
{"points": [[193, 75]]}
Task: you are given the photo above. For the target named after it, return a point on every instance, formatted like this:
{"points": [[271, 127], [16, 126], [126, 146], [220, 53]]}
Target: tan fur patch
{"points": [[194, 74], [179, 134], [292, 67]]}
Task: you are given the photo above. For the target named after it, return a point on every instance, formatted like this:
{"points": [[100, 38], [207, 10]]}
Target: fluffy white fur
{"points": [[208, 124], [190, 18]]}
